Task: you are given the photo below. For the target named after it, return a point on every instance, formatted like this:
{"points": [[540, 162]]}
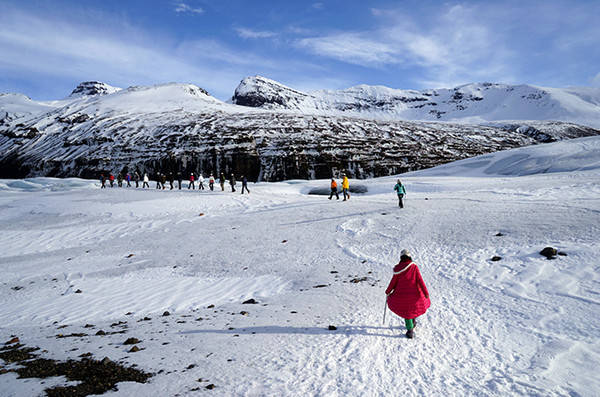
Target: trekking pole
{"points": [[384, 310]]}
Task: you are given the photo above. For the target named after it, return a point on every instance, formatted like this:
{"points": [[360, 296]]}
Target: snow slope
{"points": [[523, 325], [14, 106], [470, 103], [580, 154]]}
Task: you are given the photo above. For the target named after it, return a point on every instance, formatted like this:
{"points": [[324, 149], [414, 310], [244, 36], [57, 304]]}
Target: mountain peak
{"points": [[88, 88], [259, 91]]}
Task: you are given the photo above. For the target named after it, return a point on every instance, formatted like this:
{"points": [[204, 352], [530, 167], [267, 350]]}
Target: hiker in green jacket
{"points": [[399, 188]]}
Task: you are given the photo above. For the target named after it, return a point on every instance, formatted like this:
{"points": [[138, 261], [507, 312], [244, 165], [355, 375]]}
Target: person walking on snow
{"points": [[103, 181], [192, 182], [146, 180], [128, 179], [245, 184], [136, 178], [407, 295], [211, 182], [120, 180], [232, 183], [171, 180], [399, 188], [334, 189], [111, 178], [179, 179], [222, 182], [200, 182], [345, 187]]}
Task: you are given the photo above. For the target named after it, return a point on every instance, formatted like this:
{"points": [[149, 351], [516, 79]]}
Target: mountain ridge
{"points": [[176, 127], [468, 103]]}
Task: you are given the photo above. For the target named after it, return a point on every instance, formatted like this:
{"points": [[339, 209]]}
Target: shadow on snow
{"points": [[367, 330]]}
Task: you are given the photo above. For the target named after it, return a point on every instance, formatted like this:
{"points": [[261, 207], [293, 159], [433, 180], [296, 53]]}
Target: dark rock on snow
{"points": [[91, 376], [250, 302], [549, 252]]}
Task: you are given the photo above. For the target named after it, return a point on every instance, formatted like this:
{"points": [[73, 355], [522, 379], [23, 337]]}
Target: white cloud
{"points": [[40, 47], [183, 7], [596, 80], [352, 48], [47, 50], [254, 34], [318, 6], [454, 46]]}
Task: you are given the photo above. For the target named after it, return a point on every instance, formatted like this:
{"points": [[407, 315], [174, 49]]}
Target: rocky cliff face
{"points": [[180, 128], [89, 88]]}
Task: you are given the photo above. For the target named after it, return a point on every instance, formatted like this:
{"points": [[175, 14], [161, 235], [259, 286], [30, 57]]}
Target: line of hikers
{"points": [[162, 179]]}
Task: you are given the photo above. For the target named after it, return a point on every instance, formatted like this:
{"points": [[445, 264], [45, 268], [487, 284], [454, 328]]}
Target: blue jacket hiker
{"points": [[399, 188]]}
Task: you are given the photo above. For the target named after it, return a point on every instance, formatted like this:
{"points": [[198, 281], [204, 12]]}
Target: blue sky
{"points": [[48, 47]]}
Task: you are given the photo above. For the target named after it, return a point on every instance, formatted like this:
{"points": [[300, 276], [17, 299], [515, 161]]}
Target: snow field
{"points": [[523, 325]]}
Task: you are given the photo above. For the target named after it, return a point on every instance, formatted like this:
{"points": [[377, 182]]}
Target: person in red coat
{"points": [[407, 295]]}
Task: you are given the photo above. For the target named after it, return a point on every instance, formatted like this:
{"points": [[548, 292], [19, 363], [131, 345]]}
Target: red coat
{"points": [[409, 297]]}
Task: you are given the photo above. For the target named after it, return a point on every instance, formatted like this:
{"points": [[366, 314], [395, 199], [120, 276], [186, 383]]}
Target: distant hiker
{"points": [[179, 179], [222, 182], [200, 182], [232, 183], [192, 184], [211, 182], [407, 295], [146, 180], [163, 180], [120, 180], [334, 189], [158, 180], [102, 181], [346, 187], [136, 178], [399, 188], [245, 184], [128, 179], [171, 180], [111, 178]]}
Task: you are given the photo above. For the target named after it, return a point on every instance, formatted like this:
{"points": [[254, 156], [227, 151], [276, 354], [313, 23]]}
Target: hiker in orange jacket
{"points": [[334, 189]]}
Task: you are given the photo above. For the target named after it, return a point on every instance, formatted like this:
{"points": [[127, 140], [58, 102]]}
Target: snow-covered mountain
{"points": [[181, 128], [470, 103]]}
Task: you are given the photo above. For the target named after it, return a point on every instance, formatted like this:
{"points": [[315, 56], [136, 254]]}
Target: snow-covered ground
{"points": [[523, 325]]}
